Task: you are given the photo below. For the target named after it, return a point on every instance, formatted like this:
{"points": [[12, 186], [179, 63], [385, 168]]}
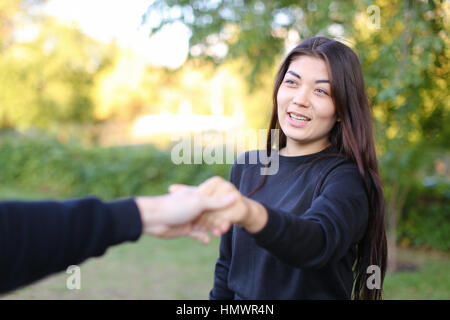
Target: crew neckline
{"points": [[328, 149]]}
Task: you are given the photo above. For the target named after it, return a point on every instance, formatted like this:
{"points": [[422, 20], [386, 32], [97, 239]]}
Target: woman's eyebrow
{"points": [[298, 76], [294, 74]]}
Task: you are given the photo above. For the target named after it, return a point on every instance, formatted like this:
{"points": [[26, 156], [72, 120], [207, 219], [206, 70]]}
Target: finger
{"points": [[225, 227], [218, 202], [208, 221], [177, 187], [166, 232], [212, 220], [224, 188], [201, 223], [200, 236], [225, 217], [209, 185], [203, 237], [221, 228], [217, 232]]}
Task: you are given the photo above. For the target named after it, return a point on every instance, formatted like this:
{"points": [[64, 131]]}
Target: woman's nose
{"points": [[301, 97]]}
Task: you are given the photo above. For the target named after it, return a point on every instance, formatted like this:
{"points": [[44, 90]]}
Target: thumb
{"points": [[215, 203]]}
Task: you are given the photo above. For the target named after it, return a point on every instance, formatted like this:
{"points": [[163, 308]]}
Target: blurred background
{"points": [[94, 95]]}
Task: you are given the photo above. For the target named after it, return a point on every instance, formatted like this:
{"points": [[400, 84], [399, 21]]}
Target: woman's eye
{"points": [[322, 91], [289, 81]]}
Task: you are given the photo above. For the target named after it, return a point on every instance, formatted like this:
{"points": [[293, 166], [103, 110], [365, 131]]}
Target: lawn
{"points": [[183, 269], [430, 281], [151, 269]]}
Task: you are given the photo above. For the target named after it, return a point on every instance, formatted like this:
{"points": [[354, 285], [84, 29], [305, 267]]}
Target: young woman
{"points": [[311, 230]]}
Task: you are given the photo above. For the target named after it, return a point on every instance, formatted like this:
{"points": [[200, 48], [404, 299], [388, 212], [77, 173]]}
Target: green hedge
{"points": [[42, 165], [71, 170], [426, 215]]}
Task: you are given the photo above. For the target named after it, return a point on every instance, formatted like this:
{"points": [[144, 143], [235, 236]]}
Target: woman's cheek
{"points": [[282, 99], [326, 111]]}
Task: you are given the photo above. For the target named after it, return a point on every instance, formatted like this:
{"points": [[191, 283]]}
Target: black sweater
{"points": [[307, 249], [40, 238]]}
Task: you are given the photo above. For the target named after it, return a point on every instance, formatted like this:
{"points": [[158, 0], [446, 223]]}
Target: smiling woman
{"points": [[315, 228], [305, 107]]}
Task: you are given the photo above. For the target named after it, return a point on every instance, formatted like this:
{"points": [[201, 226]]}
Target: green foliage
{"points": [[71, 170], [47, 80], [426, 216], [254, 29]]}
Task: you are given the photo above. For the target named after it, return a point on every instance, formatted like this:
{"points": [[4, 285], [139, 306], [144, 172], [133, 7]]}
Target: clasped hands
{"points": [[214, 206]]}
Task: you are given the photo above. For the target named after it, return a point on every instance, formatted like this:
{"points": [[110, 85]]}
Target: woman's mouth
{"points": [[298, 120]]}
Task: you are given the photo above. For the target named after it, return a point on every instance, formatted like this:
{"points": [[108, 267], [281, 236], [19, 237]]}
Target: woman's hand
{"points": [[245, 212], [171, 216]]}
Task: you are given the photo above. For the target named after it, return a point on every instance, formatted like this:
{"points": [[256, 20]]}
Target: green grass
{"points": [[150, 269], [430, 281], [183, 269]]}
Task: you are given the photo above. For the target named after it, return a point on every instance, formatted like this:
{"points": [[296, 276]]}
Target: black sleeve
{"points": [[41, 238], [336, 220], [220, 290]]}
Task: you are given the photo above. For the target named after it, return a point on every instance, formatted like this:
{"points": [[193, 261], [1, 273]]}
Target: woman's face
{"points": [[306, 112]]}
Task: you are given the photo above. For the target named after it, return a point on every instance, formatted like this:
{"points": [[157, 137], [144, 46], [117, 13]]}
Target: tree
{"points": [[47, 78], [8, 10], [407, 98]]}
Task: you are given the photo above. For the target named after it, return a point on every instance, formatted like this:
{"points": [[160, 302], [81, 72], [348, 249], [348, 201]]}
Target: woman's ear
{"points": [[337, 118]]}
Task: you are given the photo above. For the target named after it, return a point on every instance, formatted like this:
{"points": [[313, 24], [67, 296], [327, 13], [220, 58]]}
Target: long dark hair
{"points": [[353, 137]]}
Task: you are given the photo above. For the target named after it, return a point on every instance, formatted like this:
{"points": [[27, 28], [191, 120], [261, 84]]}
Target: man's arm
{"points": [[41, 238]]}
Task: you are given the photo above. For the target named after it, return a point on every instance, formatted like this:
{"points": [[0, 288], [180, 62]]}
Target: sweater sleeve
{"points": [[220, 290], [41, 238], [336, 220]]}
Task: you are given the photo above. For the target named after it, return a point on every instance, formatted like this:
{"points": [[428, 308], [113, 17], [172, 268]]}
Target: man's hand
{"points": [[171, 216], [245, 212]]}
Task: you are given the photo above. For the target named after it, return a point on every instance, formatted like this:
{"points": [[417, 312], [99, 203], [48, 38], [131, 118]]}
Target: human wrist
{"points": [[149, 207], [257, 216]]}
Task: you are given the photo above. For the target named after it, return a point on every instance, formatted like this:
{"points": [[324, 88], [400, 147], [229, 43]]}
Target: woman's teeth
{"points": [[293, 116]]}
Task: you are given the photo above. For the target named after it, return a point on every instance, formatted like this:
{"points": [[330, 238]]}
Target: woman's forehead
{"points": [[309, 67]]}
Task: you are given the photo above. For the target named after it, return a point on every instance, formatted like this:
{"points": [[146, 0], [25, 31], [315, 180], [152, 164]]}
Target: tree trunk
{"points": [[391, 231], [399, 192], [394, 211]]}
